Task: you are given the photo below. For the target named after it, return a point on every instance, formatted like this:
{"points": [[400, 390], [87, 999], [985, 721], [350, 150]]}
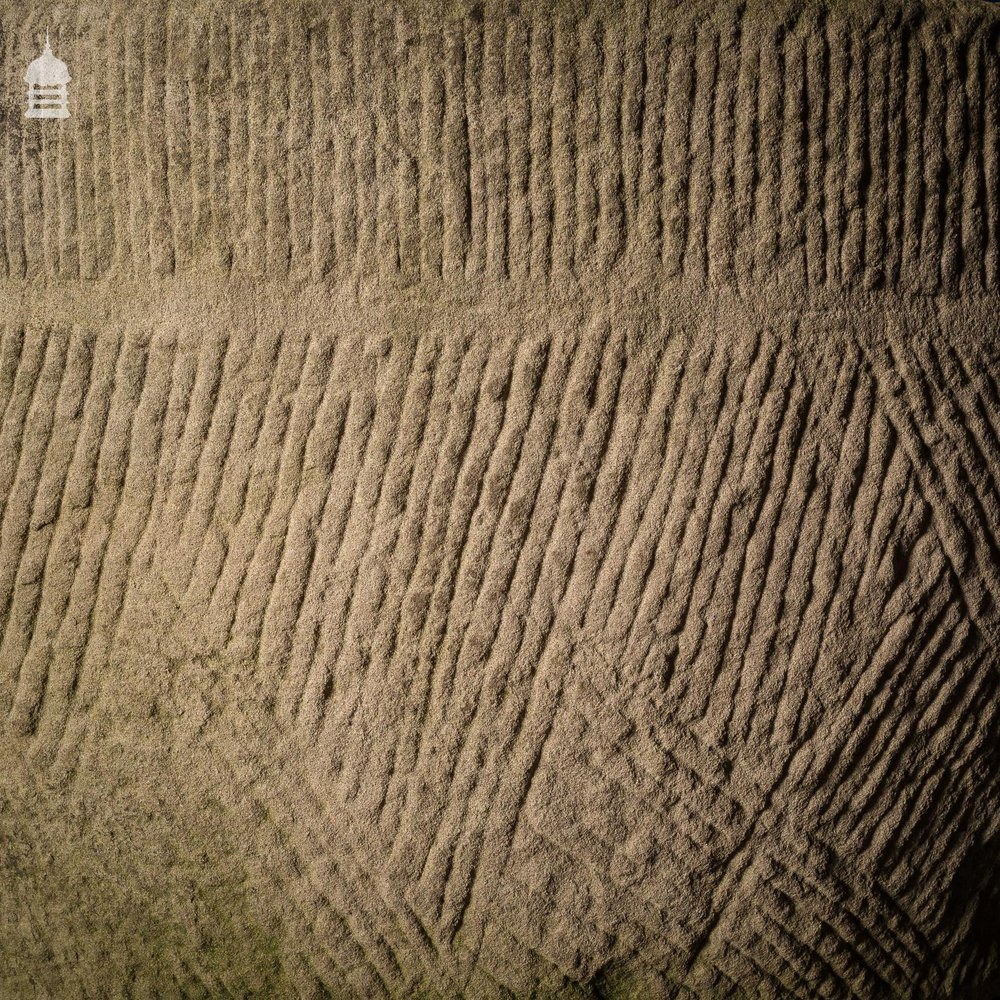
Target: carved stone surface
{"points": [[501, 500]]}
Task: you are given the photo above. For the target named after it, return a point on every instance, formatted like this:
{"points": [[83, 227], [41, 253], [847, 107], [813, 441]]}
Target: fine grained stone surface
{"points": [[501, 499]]}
